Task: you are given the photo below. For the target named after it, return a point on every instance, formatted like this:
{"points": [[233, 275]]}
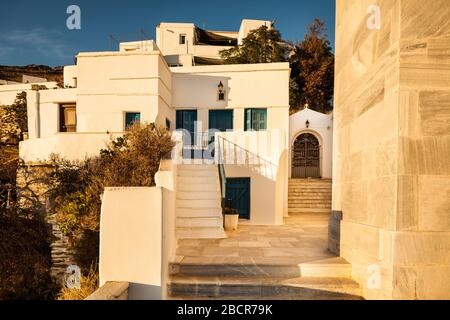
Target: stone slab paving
{"points": [[264, 262], [302, 239]]}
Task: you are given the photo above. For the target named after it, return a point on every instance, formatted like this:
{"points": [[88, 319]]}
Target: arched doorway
{"points": [[306, 157]]}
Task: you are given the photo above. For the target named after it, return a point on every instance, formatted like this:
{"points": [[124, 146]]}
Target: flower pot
{"points": [[231, 222]]}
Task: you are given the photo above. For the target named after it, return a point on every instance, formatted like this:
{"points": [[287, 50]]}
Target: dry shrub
{"points": [[131, 160], [134, 159], [88, 285], [24, 258], [9, 157], [25, 254]]}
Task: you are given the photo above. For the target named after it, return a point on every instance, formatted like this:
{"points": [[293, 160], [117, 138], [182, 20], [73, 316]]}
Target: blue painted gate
{"points": [[238, 196]]}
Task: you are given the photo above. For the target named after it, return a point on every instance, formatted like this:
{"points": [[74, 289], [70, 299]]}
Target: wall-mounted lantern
{"points": [[307, 123], [221, 91]]}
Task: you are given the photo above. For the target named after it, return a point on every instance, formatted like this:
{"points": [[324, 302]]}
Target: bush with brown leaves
{"points": [[131, 160], [25, 258], [88, 285]]}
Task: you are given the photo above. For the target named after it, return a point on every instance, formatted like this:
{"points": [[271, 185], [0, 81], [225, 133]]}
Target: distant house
{"points": [[32, 79]]}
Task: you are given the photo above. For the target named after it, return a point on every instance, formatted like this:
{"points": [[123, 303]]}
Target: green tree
{"points": [[262, 45], [312, 65]]}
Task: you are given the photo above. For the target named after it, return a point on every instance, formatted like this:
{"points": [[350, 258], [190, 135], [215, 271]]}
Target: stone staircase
{"points": [[290, 261], [255, 263], [309, 195], [327, 279], [198, 203]]}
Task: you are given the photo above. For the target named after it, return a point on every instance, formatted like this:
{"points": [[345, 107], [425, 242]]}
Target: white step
{"points": [[330, 267], [310, 189], [306, 201], [308, 206], [309, 210], [198, 203], [322, 198], [198, 180], [310, 194], [310, 181], [198, 167], [182, 187], [199, 222], [199, 212], [201, 233], [198, 195], [212, 203], [196, 173]]}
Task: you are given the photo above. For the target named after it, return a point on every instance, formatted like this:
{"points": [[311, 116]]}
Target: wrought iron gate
{"points": [[306, 157]]}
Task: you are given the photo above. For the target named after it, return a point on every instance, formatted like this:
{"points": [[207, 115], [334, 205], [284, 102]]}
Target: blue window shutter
{"points": [[248, 119], [263, 119], [255, 119]]}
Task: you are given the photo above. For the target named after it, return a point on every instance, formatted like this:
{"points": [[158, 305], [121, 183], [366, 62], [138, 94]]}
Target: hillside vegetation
{"points": [[14, 73]]}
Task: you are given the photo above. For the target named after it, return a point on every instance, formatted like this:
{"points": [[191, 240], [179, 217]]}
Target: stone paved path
{"points": [[303, 238], [263, 262]]}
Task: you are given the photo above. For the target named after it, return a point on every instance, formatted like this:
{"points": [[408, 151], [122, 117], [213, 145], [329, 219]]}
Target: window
{"points": [[168, 123], [255, 119], [67, 118], [131, 118], [221, 120], [182, 39]]}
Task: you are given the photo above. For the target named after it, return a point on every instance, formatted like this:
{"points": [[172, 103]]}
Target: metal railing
{"points": [[198, 145], [222, 176], [234, 154]]}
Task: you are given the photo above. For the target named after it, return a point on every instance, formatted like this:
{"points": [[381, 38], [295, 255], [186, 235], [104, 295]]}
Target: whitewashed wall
{"points": [[262, 157], [8, 93], [137, 239], [110, 84], [321, 126]]}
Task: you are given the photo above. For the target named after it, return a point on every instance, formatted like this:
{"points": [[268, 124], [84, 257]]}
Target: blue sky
{"points": [[35, 32]]}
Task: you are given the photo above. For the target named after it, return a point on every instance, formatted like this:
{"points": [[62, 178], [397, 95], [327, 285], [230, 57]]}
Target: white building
{"points": [[247, 104], [179, 82], [311, 141], [184, 44], [106, 91]]}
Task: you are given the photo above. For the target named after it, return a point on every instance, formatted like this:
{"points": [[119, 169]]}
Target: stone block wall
{"points": [[421, 247], [392, 146], [33, 184], [334, 232]]}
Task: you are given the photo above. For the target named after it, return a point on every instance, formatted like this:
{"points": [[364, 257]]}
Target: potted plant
{"points": [[231, 219]]}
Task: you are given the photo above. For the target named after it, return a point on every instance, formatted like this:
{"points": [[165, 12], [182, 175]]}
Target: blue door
{"points": [[186, 120], [221, 120], [238, 196]]}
